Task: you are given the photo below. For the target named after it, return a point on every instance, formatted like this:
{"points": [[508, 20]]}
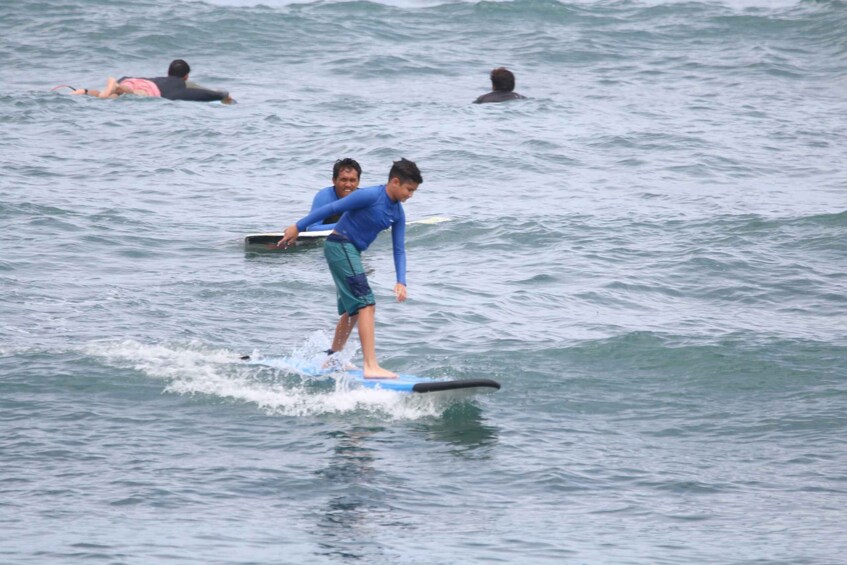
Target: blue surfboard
{"points": [[413, 383], [404, 383]]}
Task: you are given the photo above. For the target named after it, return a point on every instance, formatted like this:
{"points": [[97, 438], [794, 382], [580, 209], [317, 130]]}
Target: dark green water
{"points": [[648, 254]]}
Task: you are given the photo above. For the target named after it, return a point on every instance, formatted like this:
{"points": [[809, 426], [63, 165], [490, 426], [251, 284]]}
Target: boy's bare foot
{"points": [[379, 373]]}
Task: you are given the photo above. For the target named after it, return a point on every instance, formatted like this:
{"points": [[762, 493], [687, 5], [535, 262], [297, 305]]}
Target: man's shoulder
{"points": [[498, 96], [324, 196], [369, 194], [375, 189]]}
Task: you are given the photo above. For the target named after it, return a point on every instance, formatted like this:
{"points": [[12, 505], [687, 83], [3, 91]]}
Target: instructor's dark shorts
{"points": [[351, 283]]}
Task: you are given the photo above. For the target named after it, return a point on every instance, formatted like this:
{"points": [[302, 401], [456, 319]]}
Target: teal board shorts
{"points": [[351, 283]]}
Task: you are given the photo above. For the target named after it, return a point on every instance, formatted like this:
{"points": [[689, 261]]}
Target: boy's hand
{"points": [[400, 292], [289, 235]]}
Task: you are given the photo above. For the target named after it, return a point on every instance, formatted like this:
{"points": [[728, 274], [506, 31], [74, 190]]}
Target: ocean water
{"points": [[649, 254]]}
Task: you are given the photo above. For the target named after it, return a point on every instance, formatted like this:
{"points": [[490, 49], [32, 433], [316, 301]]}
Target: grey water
{"points": [[649, 254]]}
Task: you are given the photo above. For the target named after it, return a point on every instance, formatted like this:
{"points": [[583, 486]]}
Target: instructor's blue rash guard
{"points": [[368, 212], [322, 198]]}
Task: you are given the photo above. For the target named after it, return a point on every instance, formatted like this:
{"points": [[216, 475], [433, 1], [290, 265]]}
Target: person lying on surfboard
{"points": [[175, 86], [364, 214], [345, 179]]}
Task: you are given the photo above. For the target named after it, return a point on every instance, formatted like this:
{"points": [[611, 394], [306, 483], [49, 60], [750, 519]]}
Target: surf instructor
{"points": [[345, 179], [364, 214]]}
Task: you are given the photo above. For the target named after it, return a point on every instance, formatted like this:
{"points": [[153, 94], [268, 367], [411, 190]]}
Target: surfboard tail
{"points": [[441, 386]]}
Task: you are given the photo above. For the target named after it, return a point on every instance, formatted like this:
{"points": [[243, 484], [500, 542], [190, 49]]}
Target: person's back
{"points": [[502, 88], [175, 87], [498, 96]]}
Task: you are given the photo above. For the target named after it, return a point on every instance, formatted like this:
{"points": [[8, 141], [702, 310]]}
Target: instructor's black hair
{"points": [[502, 79], [178, 68], [406, 171], [346, 163]]}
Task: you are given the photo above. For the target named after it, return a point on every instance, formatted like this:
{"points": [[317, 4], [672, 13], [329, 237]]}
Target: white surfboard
{"points": [[269, 240]]}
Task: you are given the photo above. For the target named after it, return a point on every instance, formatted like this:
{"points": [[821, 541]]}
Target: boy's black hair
{"points": [[502, 79], [346, 163], [178, 68], [406, 171]]}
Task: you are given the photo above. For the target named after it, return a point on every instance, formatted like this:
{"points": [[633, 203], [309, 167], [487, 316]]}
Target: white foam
{"points": [[195, 369]]}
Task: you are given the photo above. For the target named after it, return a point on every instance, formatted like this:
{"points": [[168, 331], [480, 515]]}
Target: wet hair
{"points": [[178, 68], [502, 79], [406, 171], [346, 163]]}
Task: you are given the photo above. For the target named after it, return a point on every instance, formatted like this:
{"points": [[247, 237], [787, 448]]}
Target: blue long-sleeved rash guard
{"points": [[323, 197], [367, 212]]}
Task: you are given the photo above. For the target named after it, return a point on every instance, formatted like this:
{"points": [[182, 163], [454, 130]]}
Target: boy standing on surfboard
{"points": [[366, 212]]}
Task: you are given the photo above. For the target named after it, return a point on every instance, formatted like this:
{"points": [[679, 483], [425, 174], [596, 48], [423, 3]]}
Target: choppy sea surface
{"points": [[649, 254]]}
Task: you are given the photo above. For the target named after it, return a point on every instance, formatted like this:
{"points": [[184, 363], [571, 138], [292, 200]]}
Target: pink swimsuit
{"points": [[141, 86]]}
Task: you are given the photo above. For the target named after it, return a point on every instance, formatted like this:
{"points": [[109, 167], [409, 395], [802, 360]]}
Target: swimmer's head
{"points": [[178, 68], [502, 79]]}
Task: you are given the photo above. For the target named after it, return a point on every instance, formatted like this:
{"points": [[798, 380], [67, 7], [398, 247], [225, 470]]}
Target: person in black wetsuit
{"points": [[502, 87], [175, 86]]}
